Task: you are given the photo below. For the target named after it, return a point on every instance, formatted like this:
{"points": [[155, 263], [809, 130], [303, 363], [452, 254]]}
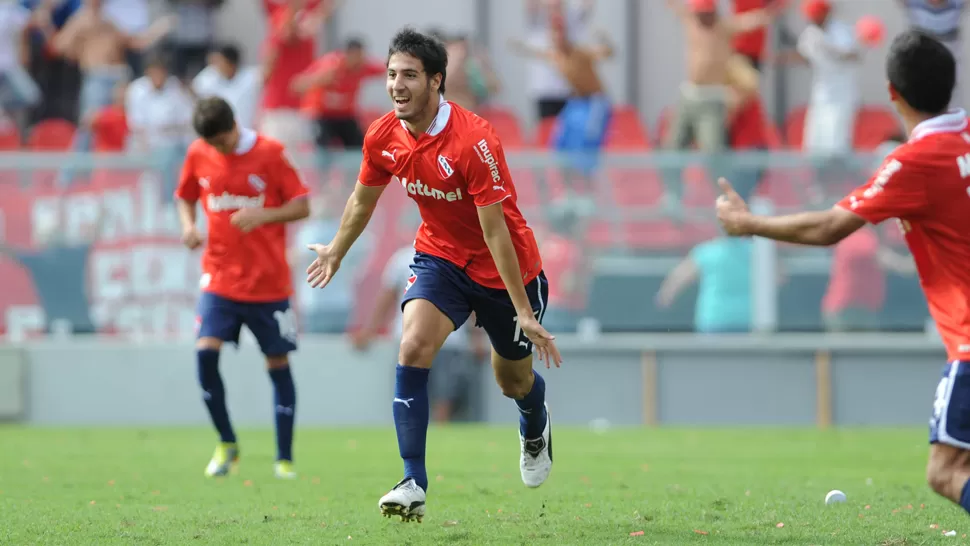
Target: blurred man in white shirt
{"points": [[239, 85], [829, 46]]}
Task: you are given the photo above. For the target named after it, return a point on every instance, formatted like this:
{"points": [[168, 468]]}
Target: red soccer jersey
{"points": [[249, 267], [292, 57], [925, 185], [450, 171]]}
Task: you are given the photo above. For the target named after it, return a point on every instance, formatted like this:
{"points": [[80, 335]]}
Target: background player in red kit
{"points": [[474, 252], [925, 185], [249, 190]]}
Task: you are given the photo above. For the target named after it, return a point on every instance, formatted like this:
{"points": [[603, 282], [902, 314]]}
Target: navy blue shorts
{"points": [[453, 292], [950, 422], [272, 323]]}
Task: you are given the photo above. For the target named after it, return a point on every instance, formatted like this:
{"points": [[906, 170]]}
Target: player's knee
{"points": [[514, 382], [417, 350], [277, 362], [939, 475], [208, 344]]}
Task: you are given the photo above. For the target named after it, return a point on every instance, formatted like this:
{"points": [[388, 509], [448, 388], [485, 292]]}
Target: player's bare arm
{"points": [[251, 218], [190, 233], [603, 49], [818, 228], [357, 214], [499, 242]]}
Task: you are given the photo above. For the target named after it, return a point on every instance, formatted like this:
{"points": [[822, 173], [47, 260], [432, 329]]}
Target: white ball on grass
{"points": [[834, 496]]}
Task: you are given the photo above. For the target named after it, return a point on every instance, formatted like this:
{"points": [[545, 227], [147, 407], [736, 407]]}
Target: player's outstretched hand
{"points": [[322, 269], [191, 238], [543, 341], [732, 211]]}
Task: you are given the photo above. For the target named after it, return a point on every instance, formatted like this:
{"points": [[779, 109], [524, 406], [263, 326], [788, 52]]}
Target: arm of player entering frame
{"points": [[499, 242], [818, 228], [357, 214]]}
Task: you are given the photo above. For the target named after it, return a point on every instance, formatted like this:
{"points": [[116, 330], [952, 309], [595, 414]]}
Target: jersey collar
{"points": [[954, 121], [440, 120], [247, 139]]}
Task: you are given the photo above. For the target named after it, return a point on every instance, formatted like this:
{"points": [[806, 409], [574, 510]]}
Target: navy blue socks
{"points": [[214, 393], [532, 409], [285, 399], [411, 415]]}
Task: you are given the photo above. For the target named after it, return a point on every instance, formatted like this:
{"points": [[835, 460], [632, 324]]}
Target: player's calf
{"points": [[520, 382], [213, 389], [948, 473]]}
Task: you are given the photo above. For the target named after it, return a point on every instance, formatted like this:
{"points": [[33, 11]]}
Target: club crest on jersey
{"points": [[444, 168], [410, 282], [257, 183]]}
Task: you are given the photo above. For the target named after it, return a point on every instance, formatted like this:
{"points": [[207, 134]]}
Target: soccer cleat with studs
{"points": [[406, 500]]}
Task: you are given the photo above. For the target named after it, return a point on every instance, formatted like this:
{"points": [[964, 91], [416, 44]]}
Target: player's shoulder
{"points": [[198, 148], [472, 132], [268, 146], [381, 129]]}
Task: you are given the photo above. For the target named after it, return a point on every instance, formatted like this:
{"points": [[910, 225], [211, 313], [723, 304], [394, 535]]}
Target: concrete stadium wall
{"points": [[876, 379]]}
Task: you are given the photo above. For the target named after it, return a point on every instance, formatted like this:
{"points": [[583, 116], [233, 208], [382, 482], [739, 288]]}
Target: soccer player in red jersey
{"points": [[474, 252], [249, 190], [925, 185]]}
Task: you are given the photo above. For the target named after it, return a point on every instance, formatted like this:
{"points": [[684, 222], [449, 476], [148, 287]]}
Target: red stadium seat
{"points": [[626, 131], [506, 125], [795, 127], [543, 134], [873, 126], [9, 136], [51, 135]]}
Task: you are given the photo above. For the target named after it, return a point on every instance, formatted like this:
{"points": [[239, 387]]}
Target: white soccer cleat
{"points": [[535, 458], [284, 470], [225, 456], [405, 500]]}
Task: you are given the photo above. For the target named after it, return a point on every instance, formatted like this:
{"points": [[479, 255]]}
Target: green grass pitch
{"points": [[622, 486]]}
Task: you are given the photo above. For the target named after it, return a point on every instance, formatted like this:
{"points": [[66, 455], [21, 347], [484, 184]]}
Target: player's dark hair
{"points": [[922, 70], [231, 53], [428, 49], [353, 43], [212, 117]]}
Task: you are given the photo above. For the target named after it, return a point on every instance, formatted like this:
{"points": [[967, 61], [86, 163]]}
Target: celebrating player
{"points": [[474, 252], [925, 185], [249, 190]]}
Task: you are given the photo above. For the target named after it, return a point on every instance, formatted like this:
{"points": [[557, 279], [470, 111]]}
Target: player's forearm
{"points": [[356, 216], [503, 254], [186, 211], [295, 209], [805, 228]]}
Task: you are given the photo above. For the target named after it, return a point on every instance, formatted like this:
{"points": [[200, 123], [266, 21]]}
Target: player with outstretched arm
{"points": [[925, 185], [249, 191], [474, 252]]}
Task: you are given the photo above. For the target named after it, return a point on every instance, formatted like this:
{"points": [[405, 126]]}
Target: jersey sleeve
{"points": [[485, 169], [188, 187], [371, 173], [895, 191], [291, 181]]}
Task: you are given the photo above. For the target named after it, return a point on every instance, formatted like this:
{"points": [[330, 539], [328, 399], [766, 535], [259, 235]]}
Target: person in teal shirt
{"points": [[722, 267]]}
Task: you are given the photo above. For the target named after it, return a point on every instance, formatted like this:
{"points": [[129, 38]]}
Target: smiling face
{"points": [[413, 91]]}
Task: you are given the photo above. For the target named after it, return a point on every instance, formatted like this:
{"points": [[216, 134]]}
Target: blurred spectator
{"points": [[471, 79], [327, 311], [132, 18], [722, 269], [289, 50], [857, 286], [59, 79], [193, 37], [239, 85], [751, 44], [456, 369], [159, 110], [18, 90], [330, 88], [942, 20], [829, 46], [110, 124], [701, 116], [546, 84], [582, 125], [568, 269], [747, 132], [100, 48]]}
